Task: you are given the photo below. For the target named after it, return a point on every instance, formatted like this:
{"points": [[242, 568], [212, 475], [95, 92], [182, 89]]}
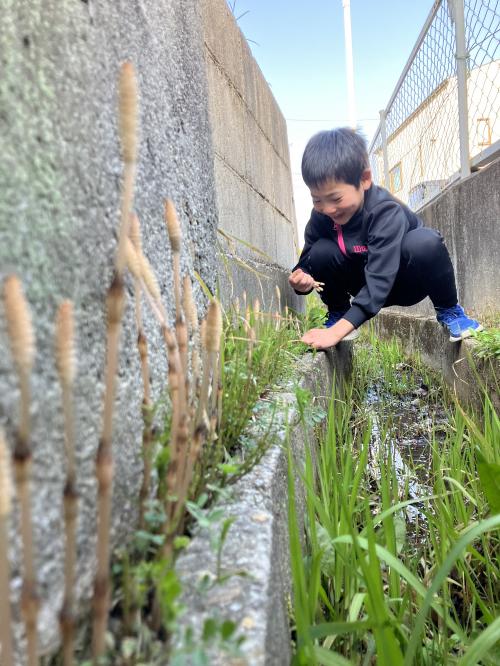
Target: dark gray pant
{"points": [[425, 270]]}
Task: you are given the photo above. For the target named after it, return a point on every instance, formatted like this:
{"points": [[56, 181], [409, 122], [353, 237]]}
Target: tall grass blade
{"points": [[470, 536]]}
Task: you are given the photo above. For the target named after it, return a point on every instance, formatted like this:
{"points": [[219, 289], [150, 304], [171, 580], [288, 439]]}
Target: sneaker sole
{"points": [[465, 334]]}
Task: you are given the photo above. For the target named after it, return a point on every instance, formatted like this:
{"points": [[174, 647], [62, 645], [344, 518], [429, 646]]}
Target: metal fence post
{"points": [[383, 134], [461, 56]]}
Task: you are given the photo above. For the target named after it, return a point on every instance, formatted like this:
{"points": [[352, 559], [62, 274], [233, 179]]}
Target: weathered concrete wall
{"points": [[252, 164], [60, 176], [467, 215]]}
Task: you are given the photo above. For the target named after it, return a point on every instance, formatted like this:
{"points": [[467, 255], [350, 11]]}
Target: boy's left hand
{"points": [[321, 338]]}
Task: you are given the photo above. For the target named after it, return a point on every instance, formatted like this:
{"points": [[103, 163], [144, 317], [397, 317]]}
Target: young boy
{"points": [[364, 243]]}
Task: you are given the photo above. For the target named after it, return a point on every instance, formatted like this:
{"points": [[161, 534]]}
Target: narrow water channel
{"points": [[403, 427], [403, 561]]}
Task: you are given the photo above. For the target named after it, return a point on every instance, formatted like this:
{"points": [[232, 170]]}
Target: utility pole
{"points": [[349, 63]]}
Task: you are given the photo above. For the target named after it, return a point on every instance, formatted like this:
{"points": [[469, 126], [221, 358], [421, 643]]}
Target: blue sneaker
{"points": [[456, 322], [333, 317]]}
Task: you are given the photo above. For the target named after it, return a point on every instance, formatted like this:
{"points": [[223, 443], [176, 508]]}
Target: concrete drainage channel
{"points": [[250, 582], [254, 569]]}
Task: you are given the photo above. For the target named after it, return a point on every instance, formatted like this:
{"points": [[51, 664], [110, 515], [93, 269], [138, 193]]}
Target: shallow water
{"points": [[403, 427]]}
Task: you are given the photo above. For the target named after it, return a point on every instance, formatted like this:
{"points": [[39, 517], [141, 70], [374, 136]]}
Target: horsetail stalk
{"points": [[128, 128], [65, 362], [134, 248], [211, 344], [22, 341], [132, 257], [186, 459], [150, 282], [175, 237], [215, 396], [192, 317], [193, 323], [128, 122], [139, 266], [212, 332], [201, 408], [104, 468], [7, 658]]}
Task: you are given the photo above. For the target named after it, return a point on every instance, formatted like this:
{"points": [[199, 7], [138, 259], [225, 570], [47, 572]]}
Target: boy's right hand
{"points": [[301, 281]]}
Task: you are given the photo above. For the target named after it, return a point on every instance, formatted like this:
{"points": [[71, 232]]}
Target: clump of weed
{"points": [[487, 344]]}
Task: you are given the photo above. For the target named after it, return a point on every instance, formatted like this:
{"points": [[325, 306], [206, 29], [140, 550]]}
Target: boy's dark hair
{"points": [[339, 154]]}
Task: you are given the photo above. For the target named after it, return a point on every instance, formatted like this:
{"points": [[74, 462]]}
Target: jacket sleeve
{"points": [[386, 228]]}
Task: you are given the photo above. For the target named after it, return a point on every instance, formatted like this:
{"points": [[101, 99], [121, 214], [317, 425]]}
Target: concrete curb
{"points": [[257, 542], [451, 359]]}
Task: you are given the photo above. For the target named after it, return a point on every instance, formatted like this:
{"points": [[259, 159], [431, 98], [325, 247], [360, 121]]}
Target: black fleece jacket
{"points": [[375, 231]]}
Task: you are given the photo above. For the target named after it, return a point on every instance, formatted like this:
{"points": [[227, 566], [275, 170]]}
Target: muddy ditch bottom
{"points": [[403, 428]]}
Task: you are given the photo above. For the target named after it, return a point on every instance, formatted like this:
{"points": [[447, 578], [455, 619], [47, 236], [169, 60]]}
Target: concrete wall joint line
{"points": [[230, 83], [255, 263], [251, 186]]}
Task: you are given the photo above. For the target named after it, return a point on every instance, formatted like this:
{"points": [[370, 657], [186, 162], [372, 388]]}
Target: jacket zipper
{"points": [[340, 239]]}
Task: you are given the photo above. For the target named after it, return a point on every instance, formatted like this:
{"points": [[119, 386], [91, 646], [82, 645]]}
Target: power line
{"points": [[325, 120]]}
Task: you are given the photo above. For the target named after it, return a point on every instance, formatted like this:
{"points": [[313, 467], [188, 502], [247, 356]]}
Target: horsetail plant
{"points": [[139, 266], [65, 362], [277, 314], [6, 652], [128, 128], [191, 313], [134, 250], [211, 343], [128, 123], [175, 237], [22, 340]]}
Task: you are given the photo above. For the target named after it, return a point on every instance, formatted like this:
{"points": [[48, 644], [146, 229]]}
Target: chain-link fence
{"points": [[443, 116]]}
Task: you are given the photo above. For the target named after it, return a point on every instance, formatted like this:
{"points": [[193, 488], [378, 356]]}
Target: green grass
{"points": [[375, 586], [259, 351], [488, 344]]}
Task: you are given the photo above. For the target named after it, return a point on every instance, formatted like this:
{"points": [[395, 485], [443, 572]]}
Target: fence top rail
{"points": [[418, 43]]}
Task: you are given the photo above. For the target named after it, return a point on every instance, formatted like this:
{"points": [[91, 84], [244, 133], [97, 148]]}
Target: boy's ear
{"points": [[366, 179]]}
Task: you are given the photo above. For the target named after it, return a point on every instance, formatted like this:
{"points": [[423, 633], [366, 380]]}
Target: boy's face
{"points": [[339, 200]]}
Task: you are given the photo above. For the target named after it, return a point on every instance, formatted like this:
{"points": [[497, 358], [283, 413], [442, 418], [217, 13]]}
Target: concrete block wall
{"points": [[467, 214], [60, 179], [252, 164]]}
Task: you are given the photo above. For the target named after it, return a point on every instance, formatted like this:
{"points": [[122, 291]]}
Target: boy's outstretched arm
{"points": [[322, 338]]}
